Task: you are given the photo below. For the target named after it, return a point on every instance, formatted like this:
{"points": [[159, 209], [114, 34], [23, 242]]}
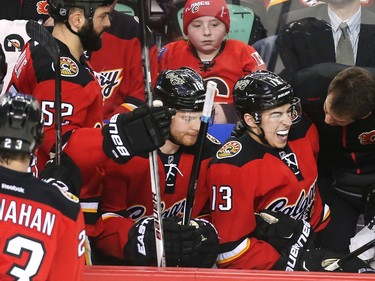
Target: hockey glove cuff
{"points": [[195, 245], [299, 259], [282, 231], [66, 176], [140, 131]]}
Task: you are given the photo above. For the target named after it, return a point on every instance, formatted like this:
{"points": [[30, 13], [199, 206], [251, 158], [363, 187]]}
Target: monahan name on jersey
{"points": [[27, 215]]}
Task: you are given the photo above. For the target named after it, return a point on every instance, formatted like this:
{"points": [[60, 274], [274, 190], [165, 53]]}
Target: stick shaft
{"points": [[206, 117], [348, 257], [40, 34], [153, 156], [58, 117]]}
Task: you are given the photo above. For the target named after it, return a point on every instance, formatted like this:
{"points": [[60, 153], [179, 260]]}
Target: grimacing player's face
{"points": [[276, 123]]}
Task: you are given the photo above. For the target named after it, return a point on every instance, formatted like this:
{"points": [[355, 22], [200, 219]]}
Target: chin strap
{"points": [[70, 28], [260, 136], [75, 32]]}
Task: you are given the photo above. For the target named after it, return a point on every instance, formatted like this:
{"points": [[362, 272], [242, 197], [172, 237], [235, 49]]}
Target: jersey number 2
{"points": [[15, 247]]}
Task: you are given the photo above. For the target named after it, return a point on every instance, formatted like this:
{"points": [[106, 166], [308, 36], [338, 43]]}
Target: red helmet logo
{"points": [[41, 7]]}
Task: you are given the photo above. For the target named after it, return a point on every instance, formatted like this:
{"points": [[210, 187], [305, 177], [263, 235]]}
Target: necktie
{"points": [[344, 50]]}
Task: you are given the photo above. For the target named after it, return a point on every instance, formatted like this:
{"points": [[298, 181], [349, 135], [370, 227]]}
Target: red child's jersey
{"points": [[235, 60], [246, 177], [42, 230]]}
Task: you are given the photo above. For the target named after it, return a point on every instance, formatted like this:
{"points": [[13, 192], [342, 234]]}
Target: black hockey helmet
{"points": [[259, 91], [21, 123], [182, 89], [59, 9], [3, 64]]}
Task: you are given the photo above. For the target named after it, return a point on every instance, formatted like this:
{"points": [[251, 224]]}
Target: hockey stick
{"points": [[153, 156], [205, 120], [337, 264], [40, 34]]}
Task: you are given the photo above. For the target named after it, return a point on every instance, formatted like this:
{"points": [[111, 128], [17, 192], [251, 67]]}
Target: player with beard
{"points": [[78, 27], [127, 199]]}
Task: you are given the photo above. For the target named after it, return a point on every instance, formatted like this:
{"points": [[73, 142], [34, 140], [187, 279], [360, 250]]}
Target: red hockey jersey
{"points": [[42, 230], [82, 112], [127, 195], [246, 177], [80, 93], [119, 65], [234, 61]]}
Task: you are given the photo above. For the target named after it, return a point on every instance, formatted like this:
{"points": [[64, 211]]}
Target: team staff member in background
{"points": [[209, 52], [127, 198], [42, 227], [342, 104], [78, 25]]}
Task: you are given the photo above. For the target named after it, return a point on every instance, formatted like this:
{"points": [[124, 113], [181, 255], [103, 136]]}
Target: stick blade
{"points": [[40, 34]]}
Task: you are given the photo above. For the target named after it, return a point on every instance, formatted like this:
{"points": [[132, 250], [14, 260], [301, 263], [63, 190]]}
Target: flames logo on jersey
{"points": [[41, 7], [68, 67], [367, 138], [222, 88], [109, 80], [230, 149]]}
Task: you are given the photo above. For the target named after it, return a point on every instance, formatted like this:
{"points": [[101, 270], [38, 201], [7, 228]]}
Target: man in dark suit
{"points": [[312, 33]]}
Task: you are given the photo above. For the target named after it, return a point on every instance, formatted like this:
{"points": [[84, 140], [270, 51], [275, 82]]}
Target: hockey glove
{"points": [[142, 130], [195, 245], [238, 130], [282, 231], [299, 259], [66, 176]]}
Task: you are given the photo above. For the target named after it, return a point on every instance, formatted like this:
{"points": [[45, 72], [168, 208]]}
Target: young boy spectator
{"points": [[209, 52]]}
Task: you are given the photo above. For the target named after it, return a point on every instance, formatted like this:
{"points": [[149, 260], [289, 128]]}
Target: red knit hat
{"points": [[197, 8]]}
